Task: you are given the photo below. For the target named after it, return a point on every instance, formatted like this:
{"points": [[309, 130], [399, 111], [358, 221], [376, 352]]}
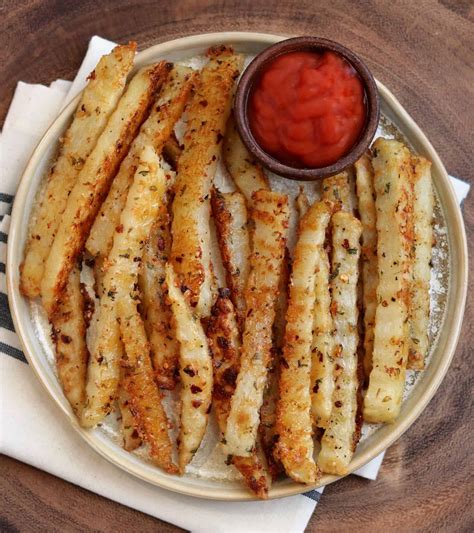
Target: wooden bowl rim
{"points": [[251, 74]]}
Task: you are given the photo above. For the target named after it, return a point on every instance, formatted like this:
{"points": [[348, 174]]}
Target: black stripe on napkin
{"points": [[2, 268], [6, 198], [313, 495], [5, 317], [12, 352], [3, 237]]}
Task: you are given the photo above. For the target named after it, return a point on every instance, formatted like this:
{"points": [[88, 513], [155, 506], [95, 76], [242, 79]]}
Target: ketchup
{"points": [[307, 109]]}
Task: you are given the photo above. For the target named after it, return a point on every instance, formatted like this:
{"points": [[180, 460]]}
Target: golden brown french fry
{"points": [[224, 342], [104, 88], [156, 131], [130, 432], [271, 213], [341, 434], [145, 194], [207, 115], [423, 205], [195, 372], [247, 174], [336, 189], [230, 216], [94, 180], [370, 276], [267, 429], [392, 175], [294, 421], [322, 346], [145, 400], [69, 336], [156, 311]]}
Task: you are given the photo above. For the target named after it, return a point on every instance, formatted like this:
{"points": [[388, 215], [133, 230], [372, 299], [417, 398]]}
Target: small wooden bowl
{"points": [[297, 44]]}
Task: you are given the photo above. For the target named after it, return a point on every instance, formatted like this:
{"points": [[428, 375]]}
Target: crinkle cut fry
{"points": [[69, 336], [195, 372], [267, 429], [94, 180], [230, 217], [423, 205], [156, 131], [103, 90], [145, 400], [207, 115], [156, 310], [270, 213], [224, 342], [392, 175], [341, 434], [146, 193], [294, 421], [322, 346]]}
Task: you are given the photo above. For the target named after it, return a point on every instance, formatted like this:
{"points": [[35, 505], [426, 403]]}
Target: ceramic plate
{"points": [[207, 476]]}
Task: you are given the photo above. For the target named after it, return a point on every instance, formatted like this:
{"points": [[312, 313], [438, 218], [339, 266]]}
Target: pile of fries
{"points": [[295, 350]]}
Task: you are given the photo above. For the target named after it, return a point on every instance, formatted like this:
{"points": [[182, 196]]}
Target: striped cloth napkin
{"points": [[31, 415]]}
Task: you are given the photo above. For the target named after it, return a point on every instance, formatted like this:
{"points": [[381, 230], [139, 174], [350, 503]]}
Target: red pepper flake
{"points": [[189, 371]]}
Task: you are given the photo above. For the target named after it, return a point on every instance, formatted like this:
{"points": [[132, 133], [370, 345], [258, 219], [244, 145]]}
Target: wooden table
{"points": [[423, 51]]}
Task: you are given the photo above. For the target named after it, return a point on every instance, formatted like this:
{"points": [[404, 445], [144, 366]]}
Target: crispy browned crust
{"points": [[156, 131], [219, 51], [130, 431], [267, 429], [69, 336], [294, 422], [78, 219], [270, 213], [156, 312], [207, 115], [223, 335], [230, 217], [99, 99], [145, 400], [120, 281]]}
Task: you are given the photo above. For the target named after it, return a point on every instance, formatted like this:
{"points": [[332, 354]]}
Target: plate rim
{"points": [[174, 483]]}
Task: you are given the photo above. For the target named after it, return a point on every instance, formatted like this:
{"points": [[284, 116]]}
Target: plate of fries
{"points": [[209, 327]]}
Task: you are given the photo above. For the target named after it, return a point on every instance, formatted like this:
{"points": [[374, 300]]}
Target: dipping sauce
{"points": [[307, 109]]}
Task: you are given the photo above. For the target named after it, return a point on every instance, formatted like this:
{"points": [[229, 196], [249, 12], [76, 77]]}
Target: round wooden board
{"points": [[421, 52]]}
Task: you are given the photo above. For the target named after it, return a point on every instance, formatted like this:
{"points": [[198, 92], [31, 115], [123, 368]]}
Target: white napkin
{"points": [[32, 429]]}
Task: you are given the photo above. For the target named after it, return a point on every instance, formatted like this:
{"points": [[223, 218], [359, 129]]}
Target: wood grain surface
{"points": [[424, 52]]}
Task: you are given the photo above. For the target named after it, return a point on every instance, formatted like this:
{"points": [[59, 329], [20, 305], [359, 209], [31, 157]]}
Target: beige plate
{"points": [[375, 443]]}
